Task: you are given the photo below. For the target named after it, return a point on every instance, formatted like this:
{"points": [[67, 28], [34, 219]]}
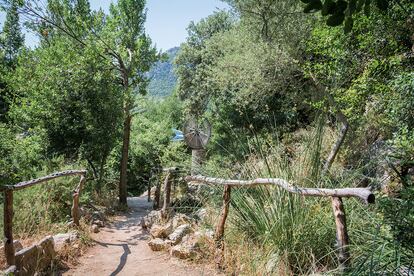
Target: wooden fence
{"points": [[364, 194], [8, 191]]}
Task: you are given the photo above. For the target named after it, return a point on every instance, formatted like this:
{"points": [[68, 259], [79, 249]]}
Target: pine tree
{"points": [[13, 39]]}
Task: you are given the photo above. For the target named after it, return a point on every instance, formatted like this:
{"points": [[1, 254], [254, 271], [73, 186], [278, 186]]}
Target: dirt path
{"points": [[121, 249]]}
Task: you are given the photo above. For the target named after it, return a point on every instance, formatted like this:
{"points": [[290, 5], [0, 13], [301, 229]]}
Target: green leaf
{"points": [[305, 1], [335, 19], [313, 6], [328, 7], [349, 23]]}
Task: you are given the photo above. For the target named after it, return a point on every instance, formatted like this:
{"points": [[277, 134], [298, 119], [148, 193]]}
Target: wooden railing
{"points": [[364, 194], [8, 206]]}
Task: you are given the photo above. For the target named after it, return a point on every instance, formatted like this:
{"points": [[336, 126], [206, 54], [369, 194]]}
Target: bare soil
{"points": [[121, 249]]}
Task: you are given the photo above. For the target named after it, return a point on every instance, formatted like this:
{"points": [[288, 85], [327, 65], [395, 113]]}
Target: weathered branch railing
{"points": [[8, 206], [364, 194]]}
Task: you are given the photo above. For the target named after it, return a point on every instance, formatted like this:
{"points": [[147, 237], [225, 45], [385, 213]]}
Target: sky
{"points": [[167, 20]]}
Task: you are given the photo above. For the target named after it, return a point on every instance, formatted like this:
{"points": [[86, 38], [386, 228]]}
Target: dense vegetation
{"points": [[322, 99], [162, 76]]}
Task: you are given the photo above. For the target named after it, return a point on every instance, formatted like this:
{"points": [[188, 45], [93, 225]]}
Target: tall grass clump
{"points": [[297, 232], [273, 232]]}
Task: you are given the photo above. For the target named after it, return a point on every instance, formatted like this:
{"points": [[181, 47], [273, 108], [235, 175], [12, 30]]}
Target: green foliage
{"points": [[70, 94], [162, 77], [362, 71], [11, 38], [20, 154], [344, 12], [151, 145], [192, 61]]}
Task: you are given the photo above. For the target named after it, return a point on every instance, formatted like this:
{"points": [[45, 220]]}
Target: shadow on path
{"points": [[124, 256]]}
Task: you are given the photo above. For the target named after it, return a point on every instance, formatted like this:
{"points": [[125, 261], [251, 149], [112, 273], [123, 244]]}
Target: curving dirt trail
{"points": [[121, 249]]}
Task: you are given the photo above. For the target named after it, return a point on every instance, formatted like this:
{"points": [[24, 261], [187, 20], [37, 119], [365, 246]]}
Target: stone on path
{"points": [[161, 231], [157, 244], [183, 251], [180, 219], [179, 233], [149, 220]]}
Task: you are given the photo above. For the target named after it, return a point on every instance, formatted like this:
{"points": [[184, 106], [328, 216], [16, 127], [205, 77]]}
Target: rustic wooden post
{"points": [[341, 233], [167, 195], [219, 235], [75, 206], [149, 189], [8, 227]]}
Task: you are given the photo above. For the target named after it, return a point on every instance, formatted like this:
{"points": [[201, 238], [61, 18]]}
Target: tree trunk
{"points": [[341, 118], [167, 195], [8, 228], [157, 196], [101, 172], [149, 189], [124, 159]]}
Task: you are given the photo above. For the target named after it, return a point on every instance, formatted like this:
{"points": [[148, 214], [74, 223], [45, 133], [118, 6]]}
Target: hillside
{"points": [[163, 79]]}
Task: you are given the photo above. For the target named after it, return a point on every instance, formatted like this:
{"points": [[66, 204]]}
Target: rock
{"points": [[95, 228], [26, 260], [201, 236], [157, 244], [208, 233], [36, 258], [46, 252], [179, 233], [150, 219], [180, 219], [12, 270], [17, 247], [183, 251], [97, 215], [61, 240], [272, 264], [201, 214], [161, 231], [100, 223]]}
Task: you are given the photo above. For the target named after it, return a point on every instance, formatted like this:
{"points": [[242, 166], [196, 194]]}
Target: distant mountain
{"points": [[163, 79]]}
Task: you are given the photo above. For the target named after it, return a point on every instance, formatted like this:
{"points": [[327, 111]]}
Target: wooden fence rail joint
{"points": [[8, 191], [336, 195]]}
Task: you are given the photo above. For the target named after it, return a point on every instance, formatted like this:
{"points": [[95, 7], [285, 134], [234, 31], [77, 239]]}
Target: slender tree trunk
{"points": [[124, 159], [149, 187], [126, 134], [341, 137], [101, 171], [341, 118]]}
